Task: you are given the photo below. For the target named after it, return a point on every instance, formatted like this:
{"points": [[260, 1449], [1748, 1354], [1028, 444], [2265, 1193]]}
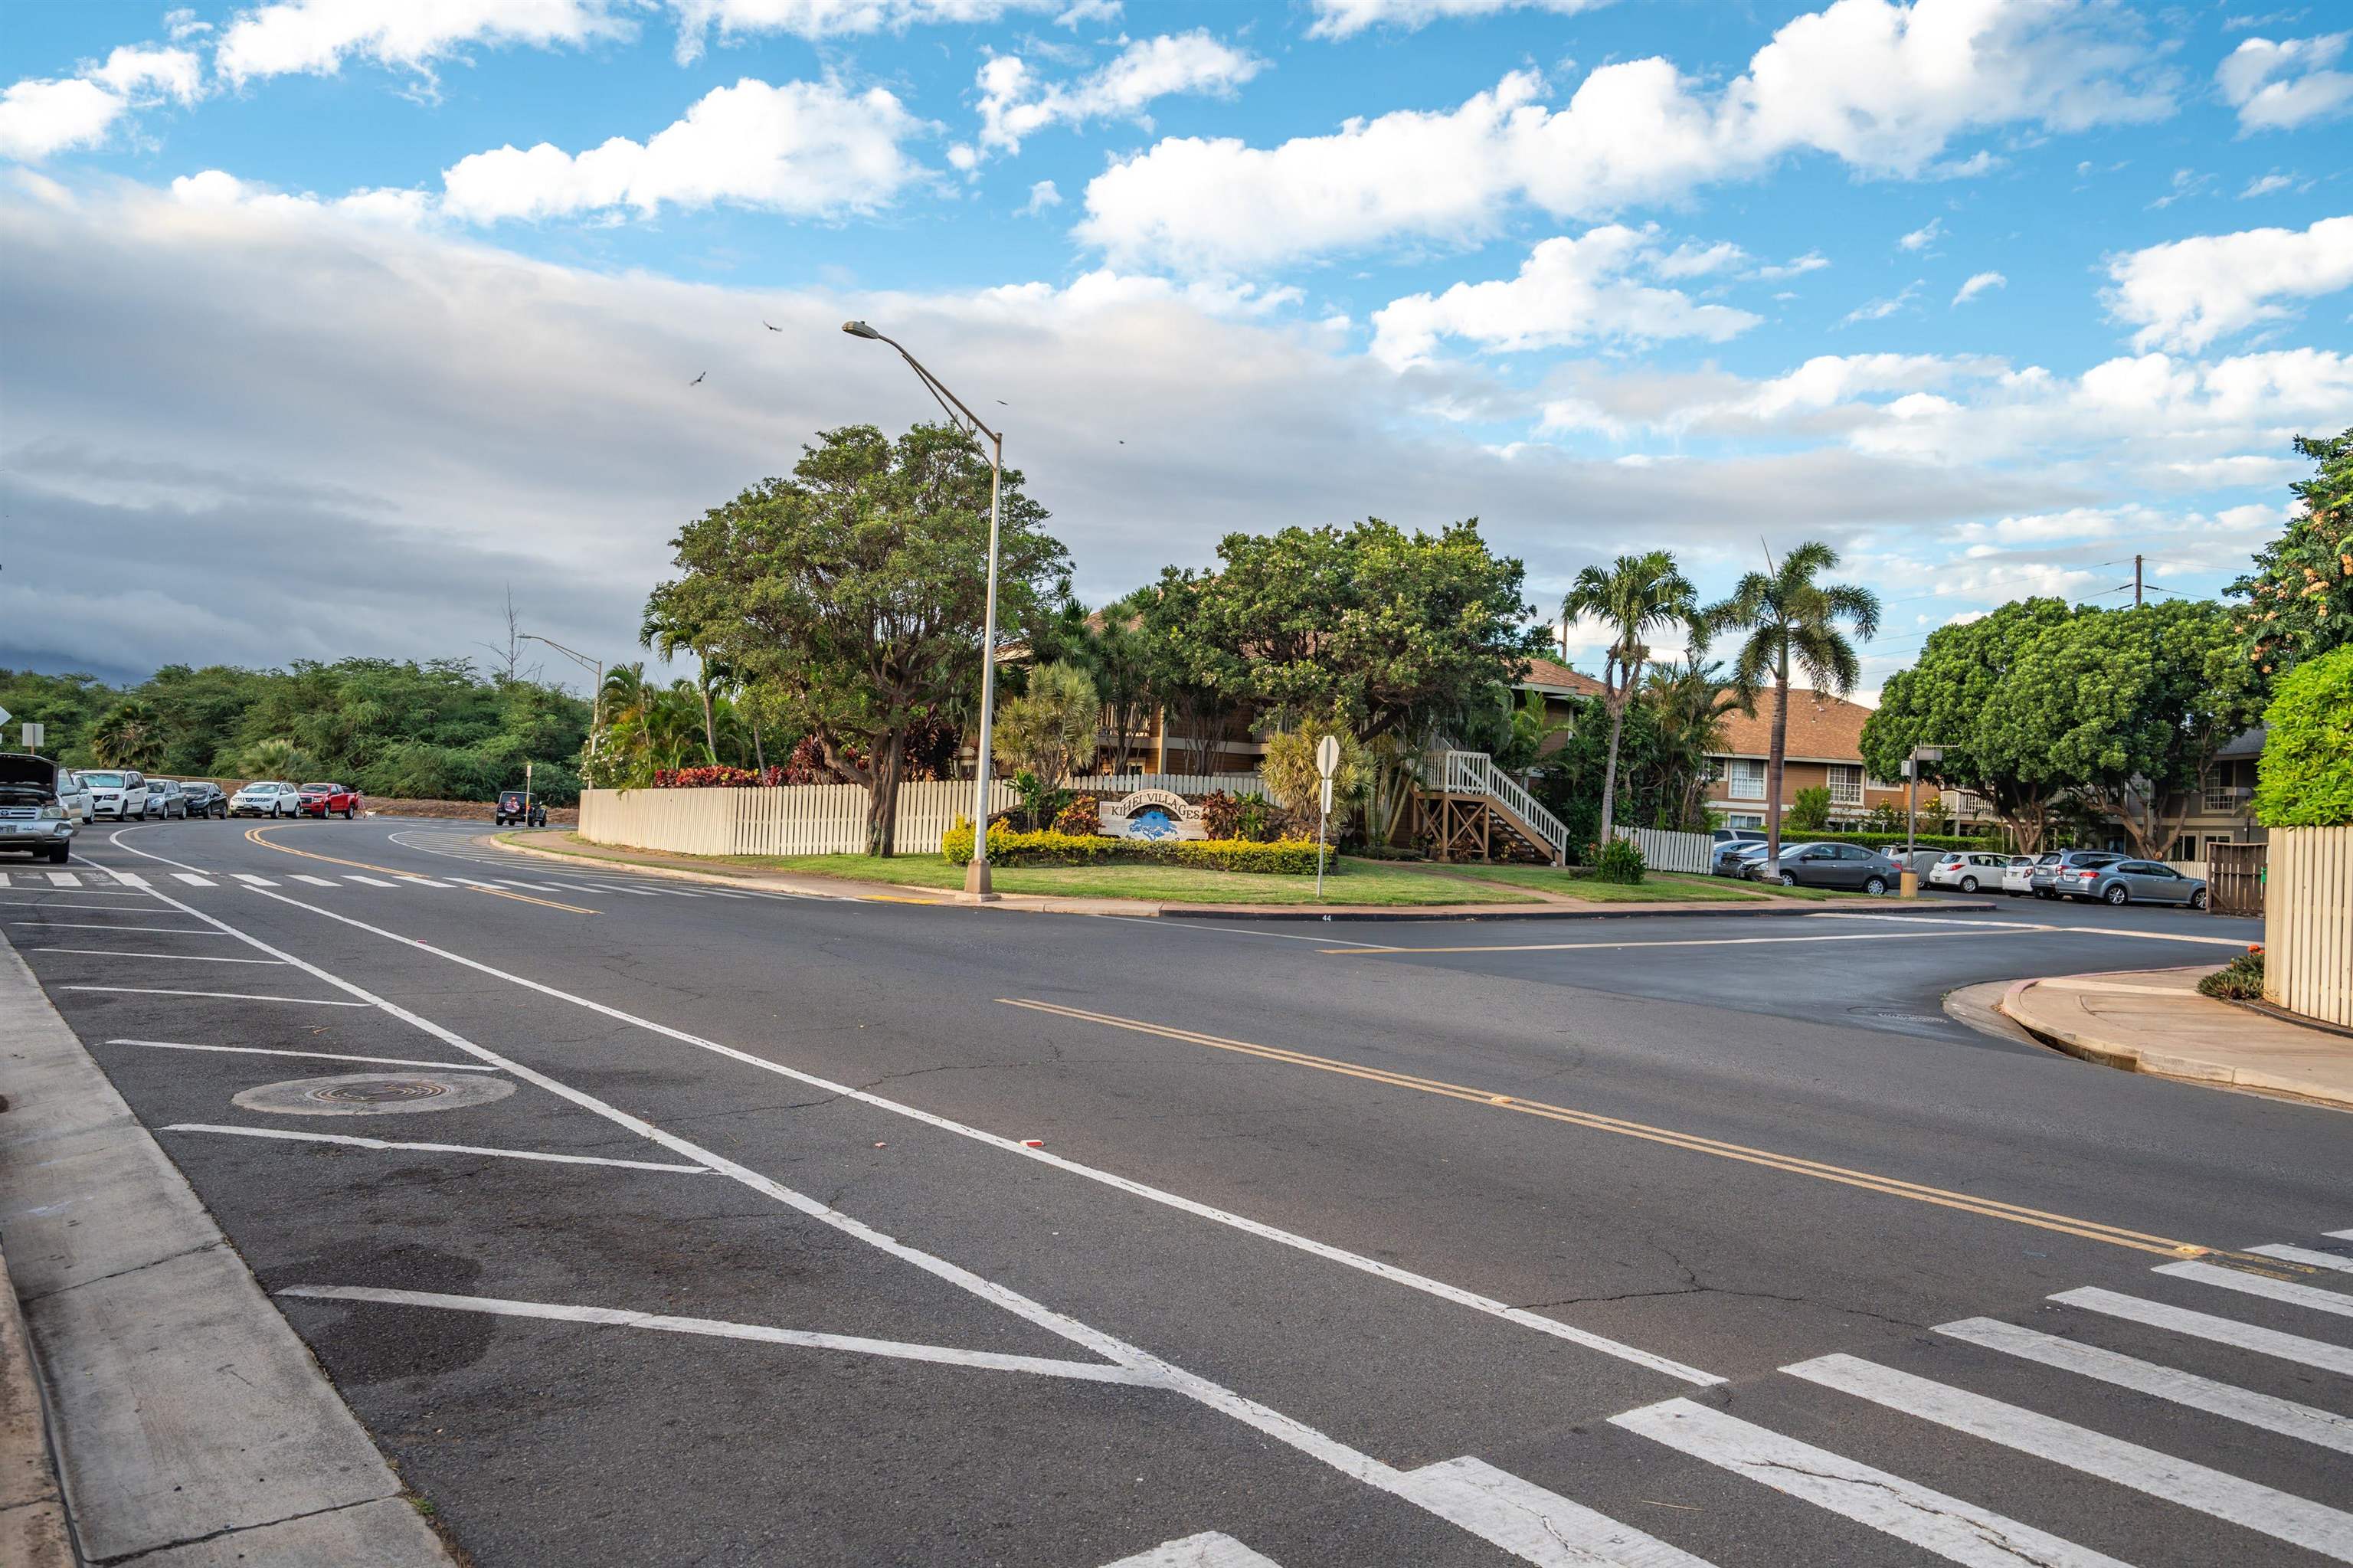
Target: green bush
{"points": [[2304, 777], [1081, 818], [1285, 857], [1620, 859], [2241, 979], [1809, 810], [1290, 857]]}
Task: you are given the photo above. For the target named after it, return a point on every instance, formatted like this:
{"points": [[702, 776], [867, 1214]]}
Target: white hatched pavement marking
{"points": [[2324, 1427], [371, 880], [64, 879], [1541, 1526], [192, 879], [250, 879], [2342, 1235], [102, 926], [415, 880], [313, 881], [2207, 1326], [2305, 1255], [226, 995], [163, 958], [2295, 1295], [2248, 1504], [1206, 1549], [130, 879], [1157, 1373], [1955, 1530], [314, 1055], [948, 1355], [348, 1141]]}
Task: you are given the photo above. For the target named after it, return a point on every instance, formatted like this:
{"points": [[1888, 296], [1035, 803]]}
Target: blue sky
{"points": [[1992, 294]]}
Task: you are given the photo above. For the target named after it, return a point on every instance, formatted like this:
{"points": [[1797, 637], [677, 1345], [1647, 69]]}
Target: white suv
{"points": [[117, 792], [266, 797]]}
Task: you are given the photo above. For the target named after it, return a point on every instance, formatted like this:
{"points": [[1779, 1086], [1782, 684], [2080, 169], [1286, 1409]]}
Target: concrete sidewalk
{"points": [[2153, 1021], [191, 1427]]}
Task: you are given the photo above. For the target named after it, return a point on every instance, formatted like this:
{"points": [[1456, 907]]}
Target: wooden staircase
{"points": [[1470, 801]]}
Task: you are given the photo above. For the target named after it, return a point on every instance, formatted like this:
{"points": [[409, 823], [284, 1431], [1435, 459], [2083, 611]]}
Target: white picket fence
{"points": [[2308, 923], [1663, 851], [828, 819]]}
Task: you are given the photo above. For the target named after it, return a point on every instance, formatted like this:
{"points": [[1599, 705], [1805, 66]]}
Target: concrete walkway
{"points": [[2153, 1021]]}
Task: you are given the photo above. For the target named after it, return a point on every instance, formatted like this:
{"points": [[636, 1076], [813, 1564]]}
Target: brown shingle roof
{"points": [[1822, 727], [1552, 672]]}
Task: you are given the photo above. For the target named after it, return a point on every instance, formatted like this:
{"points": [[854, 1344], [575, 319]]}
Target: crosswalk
{"points": [[2054, 1395], [465, 847], [92, 878]]}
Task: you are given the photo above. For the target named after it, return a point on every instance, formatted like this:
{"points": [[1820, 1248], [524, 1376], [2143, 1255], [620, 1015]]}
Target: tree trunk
{"points": [[759, 752], [1610, 775], [1773, 758], [882, 795], [709, 733]]}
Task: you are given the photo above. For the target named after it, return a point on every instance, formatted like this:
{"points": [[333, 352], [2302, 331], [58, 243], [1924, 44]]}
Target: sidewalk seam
{"points": [[227, 1531]]}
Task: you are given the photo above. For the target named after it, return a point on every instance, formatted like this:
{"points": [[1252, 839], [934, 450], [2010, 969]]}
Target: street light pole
{"points": [[596, 699], [976, 882]]}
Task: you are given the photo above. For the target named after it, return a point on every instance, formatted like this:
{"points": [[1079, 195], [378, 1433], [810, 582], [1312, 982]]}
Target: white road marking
{"points": [[2319, 1300], [102, 926], [2206, 1326], [64, 879], [313, 881], [1206, 1549], [75, 908], [349, 1142], [2324, 1427], [1539, 1525], [1955, 1530], [899, 1350], [2245, 1503], [130, 879], [415, 880], [2305, 1255], [371, 880], [1702, 942], [251, 880], [2342, 1235], [227, 995], [309, 1056], [679, 893], [721, 893], [1249, 1413], [193, 880], [1235, 930], [166, 957]]}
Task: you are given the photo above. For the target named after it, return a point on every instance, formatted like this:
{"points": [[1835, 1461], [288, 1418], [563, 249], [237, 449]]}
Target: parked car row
{"points": [[276, 798], [126, 795], [2101, 875]]}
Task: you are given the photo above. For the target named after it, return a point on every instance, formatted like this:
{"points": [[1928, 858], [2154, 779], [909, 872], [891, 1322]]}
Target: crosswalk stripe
{"points": [[130, 879], [1955, 1530], [1539, 1526], [313, 881], [2207, 1326], [2285, 1416], [2245, 1503], [371, 880], [681, 893], [2308, 1257], [252, 881], [64, 879], [469, 881], [2295, 1295], [1206, 1549], [193, 880], [414, 880]]}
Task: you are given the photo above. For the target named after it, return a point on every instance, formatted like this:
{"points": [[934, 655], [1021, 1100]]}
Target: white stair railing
{"points": [[1475, 773]]}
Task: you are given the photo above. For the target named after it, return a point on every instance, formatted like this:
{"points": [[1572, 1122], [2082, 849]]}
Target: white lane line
{"points": [[2324, 1427], [250, 879], [1294, 1434], [371, 880], [1541, 1526], [1235, 930], [1206, 1549], [899, 1350], [308, 1055], [166, 958], [102, 926], [1955, 1530], [2310, 1295], [1700, 942], [2305, 1255], [226, 995], [2247, 1504], [679, 893], [193, 880], [721, 893], [64, 879], [349, 1142], [470, 882], [75, 908], [414, 880], [2207, 1326], [1390, 1272], [313, 881]]}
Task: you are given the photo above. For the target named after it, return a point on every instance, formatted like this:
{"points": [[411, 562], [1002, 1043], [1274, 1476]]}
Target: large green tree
{"points": [[2002, 754], [1634, 599], [1793, 625], [853, 591], [2299, 597], [2304, 777]]}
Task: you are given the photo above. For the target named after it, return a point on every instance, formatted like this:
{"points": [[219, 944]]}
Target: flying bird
{"points": [[764, 321], [698, 380]]}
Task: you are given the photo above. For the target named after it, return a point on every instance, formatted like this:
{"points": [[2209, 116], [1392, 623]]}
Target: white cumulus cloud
{"points": [[827, 18], [2188, 293], [1339, 18], [41, 117], [805, 148], [1978, 284], [2277, 86], [315, 36], [1015, 102]]}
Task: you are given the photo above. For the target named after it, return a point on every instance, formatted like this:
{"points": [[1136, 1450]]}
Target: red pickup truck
{"points": [[327, 801]]}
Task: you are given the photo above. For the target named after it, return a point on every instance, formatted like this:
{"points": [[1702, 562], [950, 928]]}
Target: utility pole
{"points": [[2135, 582]]}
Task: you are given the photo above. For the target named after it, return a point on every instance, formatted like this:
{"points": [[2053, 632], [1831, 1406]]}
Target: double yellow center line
{"points": [[255, 836], [1795, 1165]]}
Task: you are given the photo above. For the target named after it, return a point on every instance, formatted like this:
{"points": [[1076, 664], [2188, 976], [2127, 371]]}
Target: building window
{"points": [[2185, 847], [1743, 819], [1744, 778], [2221, 794], [1846, 784]]}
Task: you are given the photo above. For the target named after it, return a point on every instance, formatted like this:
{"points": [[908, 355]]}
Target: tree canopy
{"points": [[2300, 594], [1636, 596], [2305, 777]]}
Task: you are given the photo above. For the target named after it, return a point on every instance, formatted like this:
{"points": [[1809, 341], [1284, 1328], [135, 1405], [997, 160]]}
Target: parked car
{"points": [[204, 799], [1968, 870], [1736, 859], [519, 806], [166, 800], [2018, 876], [1828, 865], [265, 798], [2122, 882], [117, 792], [323, 800], [32, 808], [74, 795], [2054, 871]]}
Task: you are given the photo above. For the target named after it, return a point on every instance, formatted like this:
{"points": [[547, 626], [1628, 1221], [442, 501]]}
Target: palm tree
{"points": [[1637, 595], [1690, 700], [130, 736], [667, 636], [1790, 618]]}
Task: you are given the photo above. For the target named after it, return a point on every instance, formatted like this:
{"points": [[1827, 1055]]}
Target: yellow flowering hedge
{"points": [[1286, 857]]}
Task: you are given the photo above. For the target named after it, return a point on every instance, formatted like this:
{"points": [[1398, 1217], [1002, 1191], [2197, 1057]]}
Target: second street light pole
{"points": [[976, 882]]}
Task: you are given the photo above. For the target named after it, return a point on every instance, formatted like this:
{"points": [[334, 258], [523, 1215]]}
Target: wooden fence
{"points": [[1664, 850], [2234, 878], [2308, 923]]}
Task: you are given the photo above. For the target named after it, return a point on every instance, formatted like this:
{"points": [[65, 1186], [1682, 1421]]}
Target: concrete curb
{"points": [[2131, 1058], [191, 1425], [32, 1530], [1029, 903]]}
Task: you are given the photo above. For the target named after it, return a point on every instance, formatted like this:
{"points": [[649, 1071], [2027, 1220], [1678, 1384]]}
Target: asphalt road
{"points": [[1640, 1242]]}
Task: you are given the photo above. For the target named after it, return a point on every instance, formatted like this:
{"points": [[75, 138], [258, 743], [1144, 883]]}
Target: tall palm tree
{"points": [[130, 736], [1637, 595], [1690, 702], [1791, 618]]}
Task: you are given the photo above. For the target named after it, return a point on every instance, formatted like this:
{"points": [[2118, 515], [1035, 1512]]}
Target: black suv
{"points": [[203, 799], [517, 806]]}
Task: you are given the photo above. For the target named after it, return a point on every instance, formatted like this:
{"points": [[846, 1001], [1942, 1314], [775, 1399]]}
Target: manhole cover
{"points": [[374, 1094]]}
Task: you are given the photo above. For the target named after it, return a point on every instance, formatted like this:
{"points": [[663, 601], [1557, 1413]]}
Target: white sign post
{"points": [[1327, 759], [34, 734]]}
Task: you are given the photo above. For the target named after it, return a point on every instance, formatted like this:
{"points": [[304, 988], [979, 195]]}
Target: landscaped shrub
{"points": [[2304, 777], [1221, 814], [2240, 980], [1620, 859], [1286, 857], [1809, 810], [1082, 817], [1290, 857], [720, 777]]}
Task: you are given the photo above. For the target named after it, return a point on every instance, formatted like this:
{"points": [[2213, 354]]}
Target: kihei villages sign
{"points": [[1152, 815]]}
